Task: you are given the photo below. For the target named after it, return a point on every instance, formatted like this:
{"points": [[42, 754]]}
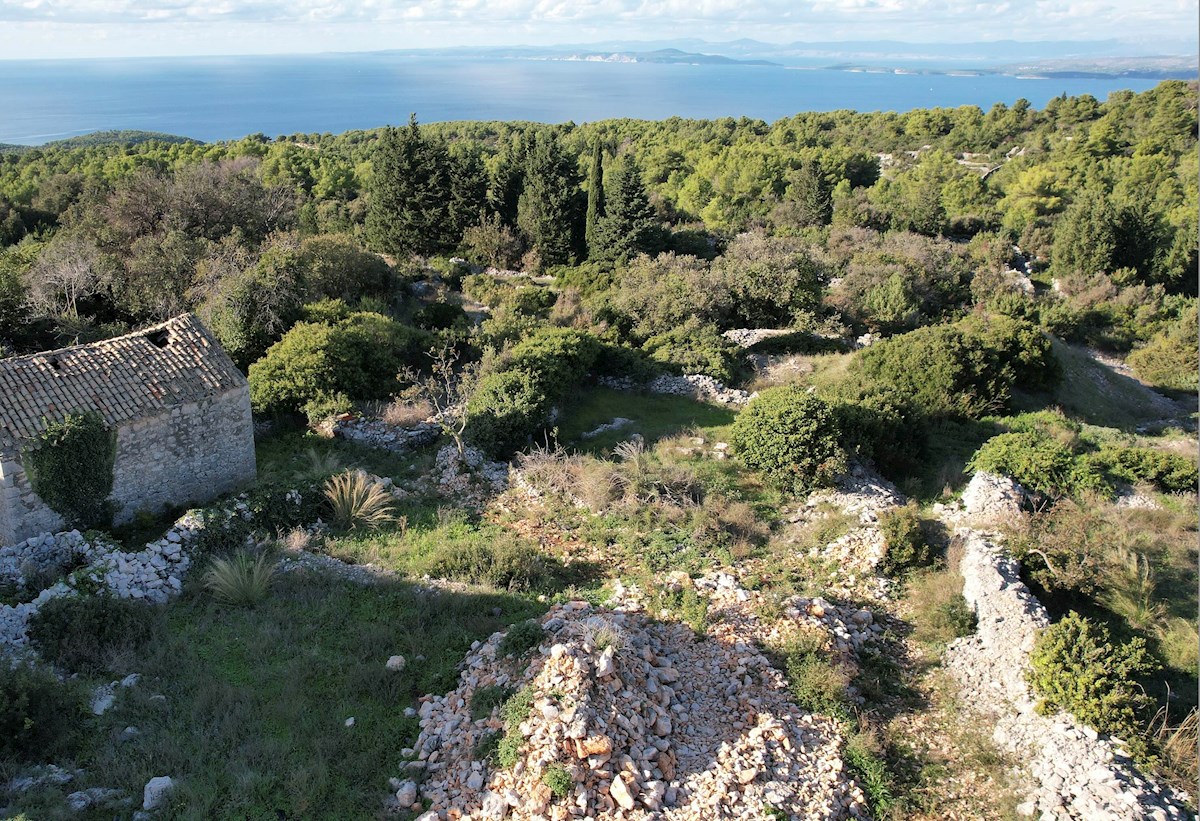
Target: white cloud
{"points": [[71, 27]]}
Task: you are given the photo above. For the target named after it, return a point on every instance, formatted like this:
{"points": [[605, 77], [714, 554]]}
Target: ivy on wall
{"points": [[70, 466]]}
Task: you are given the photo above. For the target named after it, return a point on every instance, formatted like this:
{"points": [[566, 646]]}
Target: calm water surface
{"points": [[216, 98]]}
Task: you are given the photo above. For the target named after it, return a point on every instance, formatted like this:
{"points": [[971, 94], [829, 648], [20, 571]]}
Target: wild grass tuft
{"points": [[355, 502], [240, 579]]}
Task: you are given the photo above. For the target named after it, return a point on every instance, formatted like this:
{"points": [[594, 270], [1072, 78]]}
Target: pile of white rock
{"points": [[375, 433], [639, 720], [1079, 775]]}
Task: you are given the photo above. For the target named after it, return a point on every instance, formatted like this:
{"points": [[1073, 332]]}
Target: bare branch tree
{"points": [[447, 387]]}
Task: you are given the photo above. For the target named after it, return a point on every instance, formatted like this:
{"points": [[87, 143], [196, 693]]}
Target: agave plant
{"points": [[356, 502], [241, 578]]}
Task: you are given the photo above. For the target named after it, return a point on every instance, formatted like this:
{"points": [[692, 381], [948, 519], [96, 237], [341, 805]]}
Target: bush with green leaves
{"points": [[513, 402], [41, 718], [1042, 463], [967, 369], [70, 465], [1076, 667], [1171, 472], [881, 427], [87, 633], [695, 347], [521, 638], [559, 780], [790, 436], [358, 356], [1168, 360], [904, 540]]}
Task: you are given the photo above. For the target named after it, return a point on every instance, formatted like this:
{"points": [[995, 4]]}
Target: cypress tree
{"points": [[629, 226], [549, 208], [409, 211], [595, 201]]}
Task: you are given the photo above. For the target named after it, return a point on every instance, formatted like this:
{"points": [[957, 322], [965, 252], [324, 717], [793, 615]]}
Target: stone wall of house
{"points": [[191, 454], [22, 512]]}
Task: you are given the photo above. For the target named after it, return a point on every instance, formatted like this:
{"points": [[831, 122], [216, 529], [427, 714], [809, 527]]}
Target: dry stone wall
{"points": [[1079, 776]]}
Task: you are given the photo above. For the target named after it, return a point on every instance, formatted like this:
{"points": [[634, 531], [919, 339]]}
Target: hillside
{"points": [[842, 467]]}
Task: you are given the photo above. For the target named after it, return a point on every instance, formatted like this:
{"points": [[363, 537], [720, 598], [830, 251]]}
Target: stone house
{"points": [[180, 407]]}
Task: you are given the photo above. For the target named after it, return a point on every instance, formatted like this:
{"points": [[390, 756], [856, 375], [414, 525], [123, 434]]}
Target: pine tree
{"points": [[549, 211], [595, 201], [409, 210], [629, 226]]}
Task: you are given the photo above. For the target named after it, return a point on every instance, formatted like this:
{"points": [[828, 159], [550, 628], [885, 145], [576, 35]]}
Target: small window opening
{"points": [[159, 338]]}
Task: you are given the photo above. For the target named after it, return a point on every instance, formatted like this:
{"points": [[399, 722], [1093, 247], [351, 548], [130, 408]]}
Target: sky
{"points": [[127, 28]]}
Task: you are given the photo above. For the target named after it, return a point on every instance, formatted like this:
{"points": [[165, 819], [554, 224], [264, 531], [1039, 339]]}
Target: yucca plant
{"points": [[355, 502], [240, 579]]}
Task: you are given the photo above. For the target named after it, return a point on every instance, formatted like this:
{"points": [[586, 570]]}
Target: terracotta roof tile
{"points": [[126, 378]]}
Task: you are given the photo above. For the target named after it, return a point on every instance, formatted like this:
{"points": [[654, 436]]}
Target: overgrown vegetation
{"points": [[70, 466]]}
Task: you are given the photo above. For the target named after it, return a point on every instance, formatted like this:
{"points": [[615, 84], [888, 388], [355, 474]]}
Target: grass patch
{"points": [[252, 719], [653, 415], [1097, 394]]}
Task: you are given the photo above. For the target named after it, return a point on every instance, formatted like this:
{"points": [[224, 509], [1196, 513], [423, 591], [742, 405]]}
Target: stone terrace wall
{"points": [[191, 454]]}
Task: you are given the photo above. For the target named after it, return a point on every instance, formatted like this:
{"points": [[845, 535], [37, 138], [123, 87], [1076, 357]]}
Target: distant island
{"points": [[664, 55]]}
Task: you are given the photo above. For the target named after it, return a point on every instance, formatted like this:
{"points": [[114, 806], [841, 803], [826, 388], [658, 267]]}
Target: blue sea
{"points": [[218, 98]]}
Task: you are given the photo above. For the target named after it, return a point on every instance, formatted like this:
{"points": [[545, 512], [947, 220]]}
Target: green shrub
{"points": [[70, 465], [791, 436], [1034, 460], [559, 780], [240, 579], [623, 362], [883, 428], [697, 348], [868, 767], [440, 316], [816, 682], [358, 357], [905, 541], [325, 406], [87, 633], [1170, 472], [1074, 667], [41, 718], [955, 618], [968, 369], [512, 403], [486, 699], [504, 562], [521, 638], [1168, 360], [514, 711]]}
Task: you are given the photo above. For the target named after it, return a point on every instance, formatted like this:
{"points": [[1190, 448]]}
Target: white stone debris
{"points": [[697, 386], [375, 433], [616, 424]]}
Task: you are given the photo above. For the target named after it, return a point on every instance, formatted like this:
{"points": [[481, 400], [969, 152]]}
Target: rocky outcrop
{"points": [[1079, 775], [993, 498]]}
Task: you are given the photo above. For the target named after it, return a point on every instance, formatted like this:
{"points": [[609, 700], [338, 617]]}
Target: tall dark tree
{"points": [[409, 211], [468, 188], [549, 210], [595, 201], [629, 226]]}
